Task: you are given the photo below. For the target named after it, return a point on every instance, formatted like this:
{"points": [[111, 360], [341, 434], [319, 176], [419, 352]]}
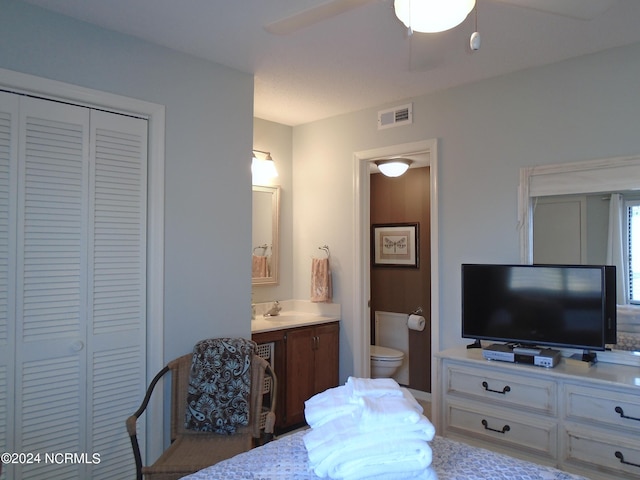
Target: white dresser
{"points": [[582, 420]]}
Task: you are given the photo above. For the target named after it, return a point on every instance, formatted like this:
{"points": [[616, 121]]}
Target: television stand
{"points": [[585, 359], [570, 417], [475, 344]]}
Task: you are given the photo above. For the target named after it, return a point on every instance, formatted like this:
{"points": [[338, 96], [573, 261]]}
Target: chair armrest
{"points": [[131, 425], [132, 420]]}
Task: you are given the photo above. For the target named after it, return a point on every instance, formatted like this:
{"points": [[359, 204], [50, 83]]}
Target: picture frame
{"points": [[395, 245]]}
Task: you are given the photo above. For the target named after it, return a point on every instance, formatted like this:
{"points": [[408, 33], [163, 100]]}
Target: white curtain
{"points": [[616, 241]]}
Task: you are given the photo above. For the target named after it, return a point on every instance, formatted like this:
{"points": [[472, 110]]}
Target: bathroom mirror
{"points": [[569, 186], [265, 243]]}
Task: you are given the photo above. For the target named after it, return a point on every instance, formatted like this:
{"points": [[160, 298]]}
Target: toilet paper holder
{"points": [[417, 311]]}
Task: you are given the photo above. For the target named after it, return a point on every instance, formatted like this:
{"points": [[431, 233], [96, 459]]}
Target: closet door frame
{"points": [[155, 114]]}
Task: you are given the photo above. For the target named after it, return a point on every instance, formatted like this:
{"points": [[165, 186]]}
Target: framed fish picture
{"points": [[395, 245]]}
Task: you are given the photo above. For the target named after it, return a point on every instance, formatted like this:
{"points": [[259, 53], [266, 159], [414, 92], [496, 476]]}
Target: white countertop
{"points": [[289, 319]]}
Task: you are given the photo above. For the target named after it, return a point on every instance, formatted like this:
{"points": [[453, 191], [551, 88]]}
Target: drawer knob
{"points": [[506, 389], [622, 415], [620, 457], [505, 429]]}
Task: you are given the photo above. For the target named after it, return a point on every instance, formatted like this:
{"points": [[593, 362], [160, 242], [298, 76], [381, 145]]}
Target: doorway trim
{"points": [[362, 287]]}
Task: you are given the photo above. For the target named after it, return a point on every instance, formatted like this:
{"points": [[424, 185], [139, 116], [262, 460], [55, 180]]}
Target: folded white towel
{"points": [[422, 474], [389, 410], [373, 387], [345, 434], [328, 405], [411, 399], [362, 460]]}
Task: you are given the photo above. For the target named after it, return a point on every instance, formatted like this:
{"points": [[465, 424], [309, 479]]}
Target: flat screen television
{"points": [[571, 306]]}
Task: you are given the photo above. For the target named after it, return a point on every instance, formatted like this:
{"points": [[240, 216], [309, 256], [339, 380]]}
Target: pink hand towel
{"points": [[259, 267], [321, 280]]}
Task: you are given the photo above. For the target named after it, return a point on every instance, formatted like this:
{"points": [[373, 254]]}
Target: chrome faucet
{"points": [[274, 311]]}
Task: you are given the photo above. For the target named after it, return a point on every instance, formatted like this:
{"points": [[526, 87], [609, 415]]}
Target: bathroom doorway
{"points": [[427, 150], [403, 289]]}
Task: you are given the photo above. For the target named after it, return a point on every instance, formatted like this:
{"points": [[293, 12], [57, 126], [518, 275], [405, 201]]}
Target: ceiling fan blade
{"points": [[312, 15], [579, 9]]}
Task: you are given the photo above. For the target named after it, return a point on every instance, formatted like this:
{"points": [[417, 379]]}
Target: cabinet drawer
{"points": [[531, 393], [608, 407], [513, 429], [616, 455]]}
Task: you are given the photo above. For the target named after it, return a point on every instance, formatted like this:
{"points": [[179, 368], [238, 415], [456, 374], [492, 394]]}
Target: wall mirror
{"points": [[265, 235], [569, 187]]}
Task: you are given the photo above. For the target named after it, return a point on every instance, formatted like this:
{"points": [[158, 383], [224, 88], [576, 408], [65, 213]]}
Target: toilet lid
{"points": [[385, 353]]}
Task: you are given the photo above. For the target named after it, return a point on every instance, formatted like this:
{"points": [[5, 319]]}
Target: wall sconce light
{"points": [[263, 168], [394, 167], [431, 16]]}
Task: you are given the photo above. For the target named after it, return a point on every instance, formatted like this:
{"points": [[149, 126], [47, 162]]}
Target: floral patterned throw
{"points": [[219, 385]]}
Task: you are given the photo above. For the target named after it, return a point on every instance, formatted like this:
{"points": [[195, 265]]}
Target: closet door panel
{"points": [[8, 185], [73, 210], [117, 305], [51, 285]]}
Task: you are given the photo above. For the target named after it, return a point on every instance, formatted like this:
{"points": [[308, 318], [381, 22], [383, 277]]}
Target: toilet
{"points": [[385, 361]]}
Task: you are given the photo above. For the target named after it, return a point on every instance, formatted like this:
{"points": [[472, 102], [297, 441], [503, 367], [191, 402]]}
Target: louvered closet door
{"points": [[81, 287], [117, 285], [8, 184]]}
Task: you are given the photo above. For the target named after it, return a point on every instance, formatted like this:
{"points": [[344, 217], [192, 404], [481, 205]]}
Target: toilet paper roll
{"points": [[416, 322]]}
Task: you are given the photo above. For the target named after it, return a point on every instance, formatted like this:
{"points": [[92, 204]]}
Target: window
{"points": [[633, 250]]}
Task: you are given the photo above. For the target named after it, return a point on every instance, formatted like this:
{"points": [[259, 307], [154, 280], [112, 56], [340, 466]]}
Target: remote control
{"points": [[527, 350]]}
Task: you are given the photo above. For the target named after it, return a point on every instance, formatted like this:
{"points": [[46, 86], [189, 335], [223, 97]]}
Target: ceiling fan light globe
{"points": [[432, 16]]}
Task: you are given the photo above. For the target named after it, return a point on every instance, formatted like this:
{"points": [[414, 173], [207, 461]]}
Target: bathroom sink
{"points": [[287, 319]]}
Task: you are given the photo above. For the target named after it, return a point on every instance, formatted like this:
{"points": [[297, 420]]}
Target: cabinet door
{"points": [[300, 372], [326, 357]]}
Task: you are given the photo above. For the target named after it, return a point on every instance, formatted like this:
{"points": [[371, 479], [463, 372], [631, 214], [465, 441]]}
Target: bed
{"points": [[286, 459]]}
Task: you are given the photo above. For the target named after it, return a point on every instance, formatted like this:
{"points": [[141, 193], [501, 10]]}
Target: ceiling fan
{"points": [[580, 9]]}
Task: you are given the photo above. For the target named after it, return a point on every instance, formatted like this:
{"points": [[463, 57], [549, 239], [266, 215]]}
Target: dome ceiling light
{"points": [[394, 167]]}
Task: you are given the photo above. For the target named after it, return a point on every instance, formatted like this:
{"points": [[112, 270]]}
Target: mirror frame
{"points": [[592, 176], [273, 279]]}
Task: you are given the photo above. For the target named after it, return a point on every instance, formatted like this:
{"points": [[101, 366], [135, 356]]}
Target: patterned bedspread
{"points": [[286, 459]]}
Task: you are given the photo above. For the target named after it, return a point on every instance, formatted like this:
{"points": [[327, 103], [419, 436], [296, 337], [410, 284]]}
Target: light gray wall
{"points": [[576, 110], [209, 110], [277, 139]]}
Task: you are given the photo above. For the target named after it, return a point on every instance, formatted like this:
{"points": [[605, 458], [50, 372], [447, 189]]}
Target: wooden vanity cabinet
{"points": [[306, 361], [312, 366]]}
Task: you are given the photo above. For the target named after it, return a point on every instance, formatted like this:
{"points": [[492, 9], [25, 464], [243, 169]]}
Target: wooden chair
{"points": [[191, 451]]}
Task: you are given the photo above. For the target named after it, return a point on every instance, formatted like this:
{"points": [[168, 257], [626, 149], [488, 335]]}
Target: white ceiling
{"points": [[360, 58]]}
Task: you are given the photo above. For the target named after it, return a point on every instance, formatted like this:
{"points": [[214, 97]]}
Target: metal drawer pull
{"points": [[505, 429], [503, 392], [622, 460], [622, 415]]}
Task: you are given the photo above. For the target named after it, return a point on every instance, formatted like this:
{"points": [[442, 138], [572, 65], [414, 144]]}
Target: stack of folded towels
{"points": [[368, 429]]}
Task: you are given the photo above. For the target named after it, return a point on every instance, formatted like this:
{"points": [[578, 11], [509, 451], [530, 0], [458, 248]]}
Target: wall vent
{"points": [[396, 116]]}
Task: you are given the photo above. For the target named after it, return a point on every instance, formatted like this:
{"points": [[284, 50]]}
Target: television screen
{"points": [[547, 305]]}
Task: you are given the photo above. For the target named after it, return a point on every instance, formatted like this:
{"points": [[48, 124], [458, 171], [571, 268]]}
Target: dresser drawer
{"points": [[615, 455], [608, 407], [532, 393], [530, 434]]}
